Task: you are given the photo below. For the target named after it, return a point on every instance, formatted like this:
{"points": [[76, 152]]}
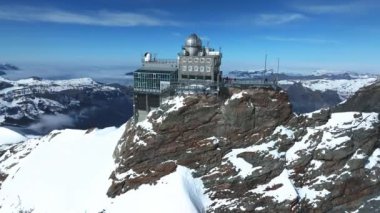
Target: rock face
{"points": [[253, 154]]}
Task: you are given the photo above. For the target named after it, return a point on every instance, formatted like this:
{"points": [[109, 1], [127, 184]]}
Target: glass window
{"points": [[190, 68], [196, 60], [208, 69], [202, 68], [184, 68], [184, 60], [208, 60], [202, 60], [195, 68], [190, 60]]}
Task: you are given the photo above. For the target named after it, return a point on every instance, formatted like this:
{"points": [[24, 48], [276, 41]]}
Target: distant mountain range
{"points": [[43, 105]]}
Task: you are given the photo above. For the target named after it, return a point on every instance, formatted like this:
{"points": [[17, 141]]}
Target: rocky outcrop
{"points": [[253, 154]]}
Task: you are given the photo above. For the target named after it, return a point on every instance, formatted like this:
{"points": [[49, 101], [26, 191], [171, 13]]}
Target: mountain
{"points": [[43, 105], [311, 92], [245, 151], [365, 99], [6, 67]]}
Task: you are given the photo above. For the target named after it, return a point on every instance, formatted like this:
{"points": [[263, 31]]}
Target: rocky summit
{"points": [[253, 154]]}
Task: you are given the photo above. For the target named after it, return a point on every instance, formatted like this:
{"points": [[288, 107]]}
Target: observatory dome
{"points": [[193, 41]]}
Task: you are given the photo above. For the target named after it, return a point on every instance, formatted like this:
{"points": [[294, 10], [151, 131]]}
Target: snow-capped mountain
{"points": [[6, 67], [344, 87], [24, 101], [248, 152]]}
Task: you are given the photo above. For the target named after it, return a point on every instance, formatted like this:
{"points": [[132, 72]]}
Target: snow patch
{"points": [[280, 188]]}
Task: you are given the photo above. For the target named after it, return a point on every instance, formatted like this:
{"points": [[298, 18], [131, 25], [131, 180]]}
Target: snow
{"points": [[284, 189], [243, 167], [346, 120], [284, 131], [176, 192], [176, 102], [374, 159], [68, 173], [8, 136], [235, 96], [311, 195], [303, 145]]}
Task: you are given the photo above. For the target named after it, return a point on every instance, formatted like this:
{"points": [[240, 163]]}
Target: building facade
{"points": [[197, 62]]}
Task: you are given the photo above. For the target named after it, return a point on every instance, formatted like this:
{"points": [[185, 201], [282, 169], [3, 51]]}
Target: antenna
{"points": [[278, 69], [265, 62]]}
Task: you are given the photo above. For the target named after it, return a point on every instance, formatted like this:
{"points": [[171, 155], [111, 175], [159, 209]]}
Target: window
{"points": [[196, 60], [190, 60], [208, 77], [184, 60], [190, 68], [202, 60], [202, 68], [208, 69], [195, 68], [208, 60], [184, 68]]}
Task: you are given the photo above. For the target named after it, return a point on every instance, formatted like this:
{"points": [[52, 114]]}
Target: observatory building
{"points": [[199, 62], [157, 79]]}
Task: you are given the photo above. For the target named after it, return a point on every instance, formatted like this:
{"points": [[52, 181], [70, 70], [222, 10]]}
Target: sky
{"points": [[305, 35]]}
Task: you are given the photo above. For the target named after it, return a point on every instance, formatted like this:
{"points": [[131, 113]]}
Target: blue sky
{"points": [[306, 35]]}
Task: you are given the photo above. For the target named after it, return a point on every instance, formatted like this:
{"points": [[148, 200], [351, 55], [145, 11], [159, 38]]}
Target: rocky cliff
{"points": [[253, 154]]}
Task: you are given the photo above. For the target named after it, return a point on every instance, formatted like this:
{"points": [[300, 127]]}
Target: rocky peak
{"points": [[253, 154], [196, 132]]}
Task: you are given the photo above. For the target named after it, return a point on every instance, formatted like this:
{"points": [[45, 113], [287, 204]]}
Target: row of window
{"points": [[196, 77], [196, 68], [164, 77], [196, 60]]}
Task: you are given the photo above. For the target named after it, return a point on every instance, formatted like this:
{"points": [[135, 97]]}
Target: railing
{"points": [[160, 61], [208, 86]]}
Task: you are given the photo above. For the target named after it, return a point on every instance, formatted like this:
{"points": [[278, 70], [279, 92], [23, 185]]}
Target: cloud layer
{"points": [[99, 18]]}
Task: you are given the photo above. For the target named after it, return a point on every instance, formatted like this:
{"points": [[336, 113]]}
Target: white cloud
{"points": [[100, 18], [344, 8], [301, 40], [277, 19]]}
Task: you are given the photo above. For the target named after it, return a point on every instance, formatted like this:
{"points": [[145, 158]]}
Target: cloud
{"points": [[345, 8], [99, 18], [277, 19], [301, 40], [48, 123]]}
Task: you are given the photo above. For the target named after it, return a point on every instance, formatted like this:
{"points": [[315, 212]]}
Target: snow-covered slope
{"points": [[8, 136], [67, 171], [344, 87]]}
